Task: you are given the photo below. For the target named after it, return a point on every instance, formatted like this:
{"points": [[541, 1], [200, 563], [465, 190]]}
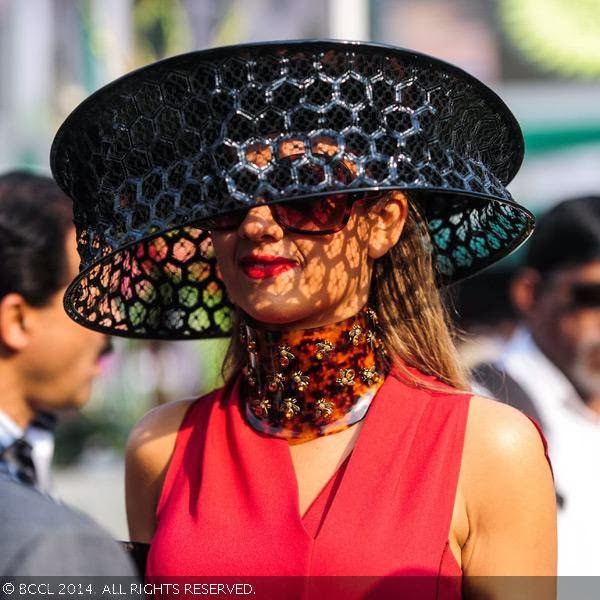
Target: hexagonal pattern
{"points": [[154, 153]]}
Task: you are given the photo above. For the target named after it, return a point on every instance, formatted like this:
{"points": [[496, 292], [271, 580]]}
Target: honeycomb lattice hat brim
{"points": [[150, 156], [168, 286]]}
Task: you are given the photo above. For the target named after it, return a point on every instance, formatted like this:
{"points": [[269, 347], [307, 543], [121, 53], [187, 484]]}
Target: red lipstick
{"points": [[264, 265]]}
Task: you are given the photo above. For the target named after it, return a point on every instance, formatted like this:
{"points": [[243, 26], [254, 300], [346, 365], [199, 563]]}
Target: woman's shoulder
{"points": [[501, 432], [152, 439], [504, 461], [150, 449], [508, 492]]}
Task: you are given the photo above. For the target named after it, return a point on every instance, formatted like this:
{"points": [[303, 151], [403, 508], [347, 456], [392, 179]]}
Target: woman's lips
{"points": [[261, 267]]}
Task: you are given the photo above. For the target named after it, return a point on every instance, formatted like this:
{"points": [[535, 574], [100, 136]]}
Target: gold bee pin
{"points": [[370, 375], [355, 334], [275, 382], [285, 355], [261, 408], [324, 348], [346, 377], [289, 408], [300, 381], [372, 315], [323, 409], [372, 339]]}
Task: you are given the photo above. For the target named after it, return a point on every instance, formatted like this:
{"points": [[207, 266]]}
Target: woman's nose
{"points": [[260, 224]]}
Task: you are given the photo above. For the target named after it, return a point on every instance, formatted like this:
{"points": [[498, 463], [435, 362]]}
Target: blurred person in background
{"points": [[550, 367], [483, 310], [47, 363]]}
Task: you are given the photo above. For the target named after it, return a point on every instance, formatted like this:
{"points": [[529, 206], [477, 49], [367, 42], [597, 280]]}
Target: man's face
{"points": [[62, 357], [566, 316]]}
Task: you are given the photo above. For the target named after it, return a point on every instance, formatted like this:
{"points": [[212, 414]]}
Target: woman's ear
{"points": [[387, 221]]}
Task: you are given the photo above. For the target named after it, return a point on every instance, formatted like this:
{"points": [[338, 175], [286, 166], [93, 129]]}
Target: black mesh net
{"points": [[150, 156]]}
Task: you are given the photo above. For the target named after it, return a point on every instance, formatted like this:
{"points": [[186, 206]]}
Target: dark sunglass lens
{"points": [[586, 295], [322, 213]]}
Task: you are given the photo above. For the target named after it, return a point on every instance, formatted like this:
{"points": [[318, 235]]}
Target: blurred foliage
{"points": [[86, 431], [558, 36], [161, 29]]}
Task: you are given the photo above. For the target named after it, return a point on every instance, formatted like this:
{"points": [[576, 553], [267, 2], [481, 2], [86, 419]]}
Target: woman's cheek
{"points": [[225, 255], [354, 256], [314, 277]]}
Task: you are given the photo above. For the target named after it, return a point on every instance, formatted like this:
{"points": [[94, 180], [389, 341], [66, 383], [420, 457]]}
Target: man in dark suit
{"points": [[47, 363]]}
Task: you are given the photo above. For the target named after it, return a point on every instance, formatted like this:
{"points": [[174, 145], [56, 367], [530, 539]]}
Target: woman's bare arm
{"points": [[147, 458], [510, 504]]}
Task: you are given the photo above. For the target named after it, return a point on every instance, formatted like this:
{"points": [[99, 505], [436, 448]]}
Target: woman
{"points": [[311, 197]]}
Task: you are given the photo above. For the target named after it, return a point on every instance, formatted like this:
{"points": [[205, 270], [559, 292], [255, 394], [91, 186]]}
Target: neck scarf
{"points": [[302, 384]]}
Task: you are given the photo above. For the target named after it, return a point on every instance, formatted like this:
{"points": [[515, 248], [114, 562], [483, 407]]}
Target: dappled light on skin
{"points": [[330, 276]]}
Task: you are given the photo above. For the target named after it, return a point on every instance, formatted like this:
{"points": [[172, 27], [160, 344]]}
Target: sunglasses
{"points": [[318, 215], [585, 295]]}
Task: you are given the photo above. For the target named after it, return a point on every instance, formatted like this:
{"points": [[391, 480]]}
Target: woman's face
{"points": [[283, 278]]}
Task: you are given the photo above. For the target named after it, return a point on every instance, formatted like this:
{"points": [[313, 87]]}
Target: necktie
{"points": [[44, 420], [17, 459]]}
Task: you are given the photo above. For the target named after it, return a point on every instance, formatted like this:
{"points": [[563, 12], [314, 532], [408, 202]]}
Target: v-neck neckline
{"points": [[352, 464], [319, 497]]}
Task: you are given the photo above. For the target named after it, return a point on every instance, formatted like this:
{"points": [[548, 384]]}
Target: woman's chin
{"points": [[275, 315]]}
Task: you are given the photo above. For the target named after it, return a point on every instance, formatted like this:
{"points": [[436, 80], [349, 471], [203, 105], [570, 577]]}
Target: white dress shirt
{"points": [[9, 430], [573, 433]]}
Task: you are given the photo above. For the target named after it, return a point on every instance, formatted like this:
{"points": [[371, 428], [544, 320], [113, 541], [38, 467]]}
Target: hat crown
{"points": [[172, 138]]}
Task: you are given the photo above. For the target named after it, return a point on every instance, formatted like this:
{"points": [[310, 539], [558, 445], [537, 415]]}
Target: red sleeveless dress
{"points": [[229, 505]]}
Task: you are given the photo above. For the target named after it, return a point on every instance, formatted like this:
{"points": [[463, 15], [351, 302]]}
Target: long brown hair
{"points": [[413, 319], [413, 316]]}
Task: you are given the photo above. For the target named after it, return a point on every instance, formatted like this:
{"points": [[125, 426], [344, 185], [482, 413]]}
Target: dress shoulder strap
{"points": [[196, 416]]}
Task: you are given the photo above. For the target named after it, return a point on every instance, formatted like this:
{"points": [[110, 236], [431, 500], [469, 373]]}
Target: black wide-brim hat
{"points": [[149, 156]]}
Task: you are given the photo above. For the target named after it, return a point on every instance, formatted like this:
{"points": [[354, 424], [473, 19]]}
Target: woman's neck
{"points": [[305, 383]]}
